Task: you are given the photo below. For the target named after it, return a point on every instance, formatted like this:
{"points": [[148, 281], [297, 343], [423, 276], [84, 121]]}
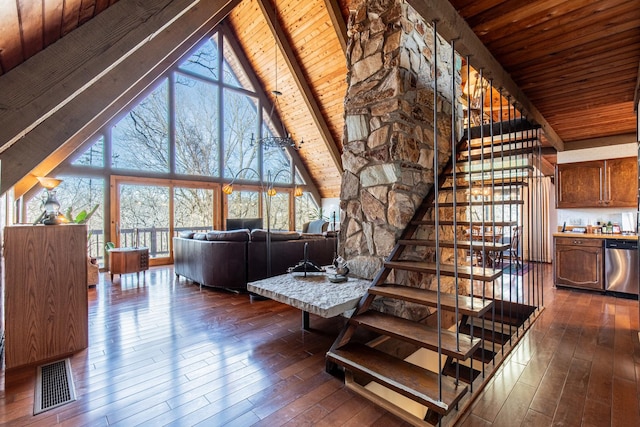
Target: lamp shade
{"points": [[49, 183]]}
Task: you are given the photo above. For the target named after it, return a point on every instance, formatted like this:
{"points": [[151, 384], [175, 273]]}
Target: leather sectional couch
{"points": [[230, 259]]}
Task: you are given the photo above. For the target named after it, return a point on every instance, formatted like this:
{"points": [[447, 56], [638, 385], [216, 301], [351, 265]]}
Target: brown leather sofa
{"points": [[230, 259]]}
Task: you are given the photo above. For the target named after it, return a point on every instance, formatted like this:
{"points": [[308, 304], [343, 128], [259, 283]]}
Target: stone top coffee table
{"points": [[312, 294]]}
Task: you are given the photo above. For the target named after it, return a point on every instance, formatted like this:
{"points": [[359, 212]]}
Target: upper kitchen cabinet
{"points": [[601, 183], [621, 181]]}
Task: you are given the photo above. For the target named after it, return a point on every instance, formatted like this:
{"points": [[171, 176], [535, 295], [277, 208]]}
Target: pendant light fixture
{"points": [[284, 140]]}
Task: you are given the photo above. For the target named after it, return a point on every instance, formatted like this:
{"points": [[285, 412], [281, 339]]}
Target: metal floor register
{"points": [[54, 386]]}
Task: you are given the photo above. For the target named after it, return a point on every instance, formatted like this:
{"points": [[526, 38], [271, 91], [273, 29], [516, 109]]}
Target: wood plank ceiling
{"points": [[577, 62]]}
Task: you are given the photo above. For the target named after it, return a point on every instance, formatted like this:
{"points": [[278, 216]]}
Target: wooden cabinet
{"points": [[579, 262], [601, 183], [621, 181], [46, 303], [128, 260]]}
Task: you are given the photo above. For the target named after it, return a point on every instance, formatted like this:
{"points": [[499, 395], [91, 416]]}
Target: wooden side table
{"points": [[128, 260]]}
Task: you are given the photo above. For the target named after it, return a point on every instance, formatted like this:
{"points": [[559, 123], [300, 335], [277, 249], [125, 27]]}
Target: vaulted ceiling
{"points": [[573, 66]]}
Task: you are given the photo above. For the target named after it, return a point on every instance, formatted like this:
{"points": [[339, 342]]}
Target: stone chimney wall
{"points": [[388, 139]]}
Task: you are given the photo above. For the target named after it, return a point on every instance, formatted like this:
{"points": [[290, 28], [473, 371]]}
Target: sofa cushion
{"points": [[241, 235], [186, 234], [261, 235], [309, 236], [317, 226], [199, 236]]}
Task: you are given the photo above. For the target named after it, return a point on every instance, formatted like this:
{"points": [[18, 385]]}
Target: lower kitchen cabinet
{"points": [[579, 262]]}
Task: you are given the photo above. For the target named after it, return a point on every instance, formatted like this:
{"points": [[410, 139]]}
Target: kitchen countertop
{"points": [[596, 236]]}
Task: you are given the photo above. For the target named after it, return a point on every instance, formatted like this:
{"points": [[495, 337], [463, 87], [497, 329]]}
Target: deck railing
{"points": [[157, 239]]}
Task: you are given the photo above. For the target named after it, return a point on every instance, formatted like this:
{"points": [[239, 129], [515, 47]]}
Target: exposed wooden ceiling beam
{"points": [[546, 167], [333, 8], [299, 77], [85, 107], [55, 76], [600, 142], [452, 26]]}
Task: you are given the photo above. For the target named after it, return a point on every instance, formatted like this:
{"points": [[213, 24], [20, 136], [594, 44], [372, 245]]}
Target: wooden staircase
{"points": [[481, 326]]}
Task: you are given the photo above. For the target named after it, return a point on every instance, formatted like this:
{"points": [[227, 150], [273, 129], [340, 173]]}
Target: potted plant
{"points": [[83, 217]]}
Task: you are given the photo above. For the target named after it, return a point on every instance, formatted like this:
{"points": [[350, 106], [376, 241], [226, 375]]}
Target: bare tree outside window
{"points": [[92, 156], [145, 209], [204, 61], [193, 209], [243, 204], [240, 122], [196, 127], [140, 141]]}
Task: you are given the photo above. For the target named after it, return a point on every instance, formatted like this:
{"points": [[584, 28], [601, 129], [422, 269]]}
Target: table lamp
{"points": [[51, 204]]}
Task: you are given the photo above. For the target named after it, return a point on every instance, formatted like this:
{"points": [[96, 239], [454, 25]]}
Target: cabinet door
{"points": [[621, 182], [579, 266], [580, 185]]}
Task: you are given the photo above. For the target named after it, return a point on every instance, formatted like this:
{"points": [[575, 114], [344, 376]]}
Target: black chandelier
{"points": [[275, 141]]}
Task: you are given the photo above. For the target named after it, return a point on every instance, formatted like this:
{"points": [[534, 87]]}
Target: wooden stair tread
{"points": [[473, 307], [483, 274], [485, 155], [465, 223], [489, 169], [459, 347], [486, 171], [487, 336], [505, 318], [462, 204], [405, 378], [498, 144], [460, 244], [503, 138], [448, 188], [466, 374]]}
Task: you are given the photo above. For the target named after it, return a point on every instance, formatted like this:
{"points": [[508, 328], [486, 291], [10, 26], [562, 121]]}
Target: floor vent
{"points": [[54, 386]]}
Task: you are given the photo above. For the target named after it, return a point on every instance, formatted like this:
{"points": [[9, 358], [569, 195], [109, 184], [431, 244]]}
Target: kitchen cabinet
{"points": [[46, 302], [599, 183], [579, 262]]}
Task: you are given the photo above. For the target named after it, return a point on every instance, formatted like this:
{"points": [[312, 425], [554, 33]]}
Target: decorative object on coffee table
{"points": [[306, 266]]}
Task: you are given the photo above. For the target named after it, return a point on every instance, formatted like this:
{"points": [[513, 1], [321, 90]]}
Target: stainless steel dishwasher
{"points": [[621, 266]]}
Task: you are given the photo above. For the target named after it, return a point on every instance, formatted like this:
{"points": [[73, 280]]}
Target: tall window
{"points": [[240, 123], [195, 129], [140, 141]]}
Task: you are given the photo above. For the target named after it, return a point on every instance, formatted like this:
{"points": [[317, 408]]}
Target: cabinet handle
{"points": [[607, 178], [602, 184]]}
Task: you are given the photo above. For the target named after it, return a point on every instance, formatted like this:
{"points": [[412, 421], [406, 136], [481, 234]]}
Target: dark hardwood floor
{"points": [[162, 352]]}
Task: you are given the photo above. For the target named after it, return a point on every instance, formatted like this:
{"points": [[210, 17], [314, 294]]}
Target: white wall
{"points": [[329, 207], [626, 217], [598, 153]]}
